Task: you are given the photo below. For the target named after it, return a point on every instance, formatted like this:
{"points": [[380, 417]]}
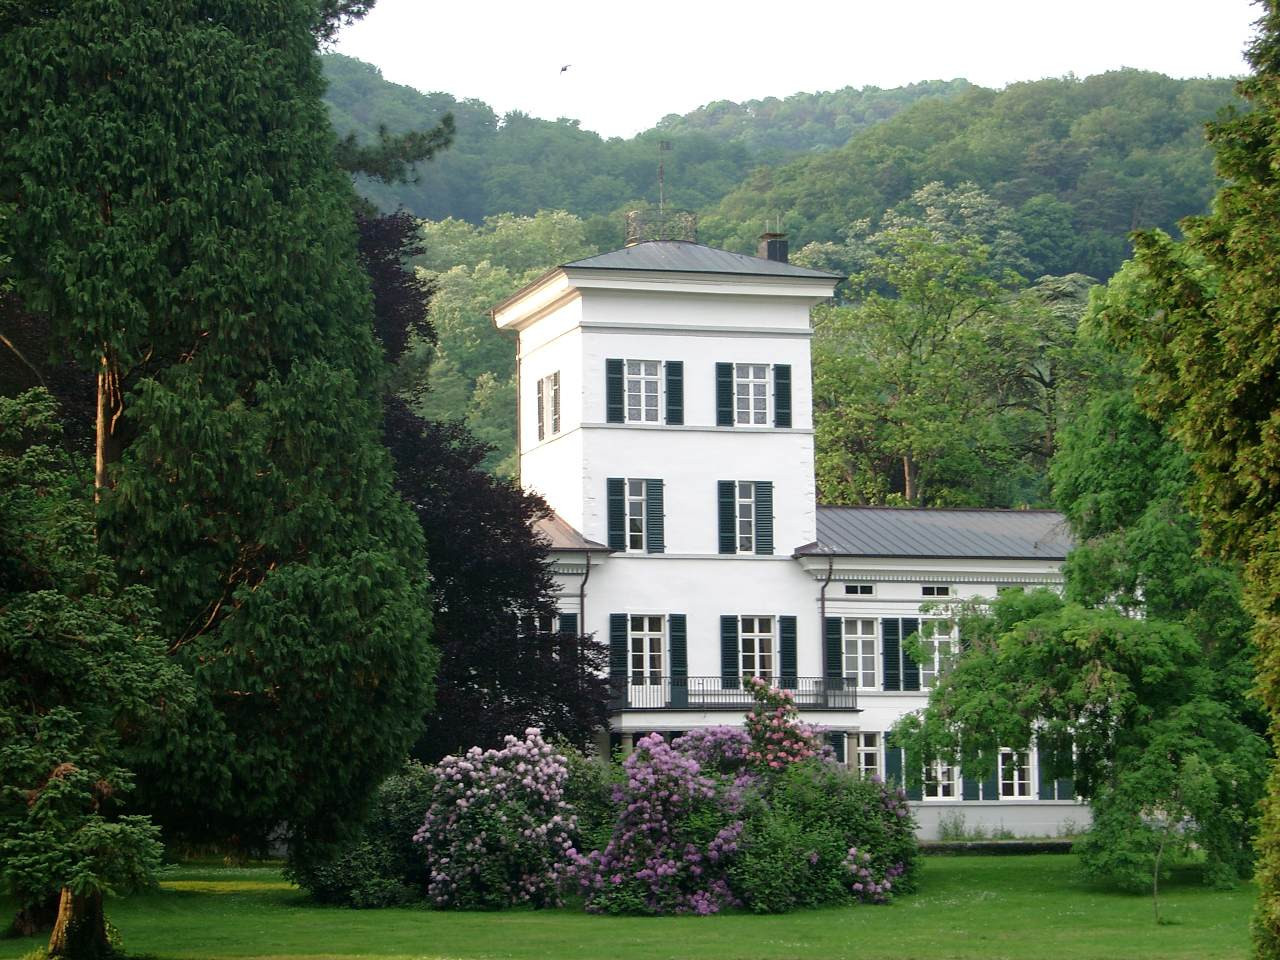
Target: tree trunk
{"points": [[80, 932], [110, 407], [908, 479]]}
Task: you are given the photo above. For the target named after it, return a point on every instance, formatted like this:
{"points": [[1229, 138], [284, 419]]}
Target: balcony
{"points": [[652, 692]]}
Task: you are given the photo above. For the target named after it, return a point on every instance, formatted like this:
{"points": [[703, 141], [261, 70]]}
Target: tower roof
{"points": [[683, 256]]}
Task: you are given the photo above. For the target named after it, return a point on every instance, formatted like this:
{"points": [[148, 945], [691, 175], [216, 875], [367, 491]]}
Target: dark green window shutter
{"points": [[891, 641], [914, 792], [542, 409], [728, 508], [893, 765], [614, 410], [836, 739], [569, 624], [991, 785], [1066, 789], [833, 658], [782, 394], [910, 669], [787, 652], [654, 529], [1048, 786], [617, 501], [675, 391], [618, 647], [678, 627], [764, 517], [724, 394], [968, 788], [730, 663]]}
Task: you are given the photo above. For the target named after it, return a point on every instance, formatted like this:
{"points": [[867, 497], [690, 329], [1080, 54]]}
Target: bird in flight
{"points": [[565, 67]]}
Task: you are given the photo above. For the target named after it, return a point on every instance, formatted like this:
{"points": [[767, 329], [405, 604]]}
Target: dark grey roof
{"points": [[683, 256], [908, 532], [560, 536]]}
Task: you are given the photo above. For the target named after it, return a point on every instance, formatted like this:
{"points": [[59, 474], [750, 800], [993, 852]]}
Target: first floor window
{"points": [[757, 647], [549, 405], [940, 781], [1015, 774], [645, 636], [751, 394], [860, 636], [866, 754], [635, 514], [642, 386], [938, 649]]}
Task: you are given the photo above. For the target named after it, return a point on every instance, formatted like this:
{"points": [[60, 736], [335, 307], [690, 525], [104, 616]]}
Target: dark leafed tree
{"points": [[178, 216], [1204, 316]]}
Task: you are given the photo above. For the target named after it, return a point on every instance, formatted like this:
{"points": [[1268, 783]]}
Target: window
{"points": [[644, 645], [746, 516], [751, 394], [935, 590], [642, 379], [756, 639], [1015, 774], [866, 748], [533, 624], [635, 514], [938, 651], [940, 780], [860, 658], [549, 405], [860, 589]]}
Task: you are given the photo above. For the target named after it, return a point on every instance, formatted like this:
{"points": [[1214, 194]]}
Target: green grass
{"points": [[986, 908]]}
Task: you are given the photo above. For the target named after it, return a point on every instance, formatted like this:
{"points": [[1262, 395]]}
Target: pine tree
{"points": [[179, 216]]}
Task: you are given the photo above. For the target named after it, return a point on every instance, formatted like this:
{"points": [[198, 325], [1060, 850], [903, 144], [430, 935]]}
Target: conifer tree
{"points": [[179, 216]]}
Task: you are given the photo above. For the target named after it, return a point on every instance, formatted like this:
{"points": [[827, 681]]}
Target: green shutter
{"points": [[614, 410], [724, 394], [654, 529], [968, 788], [787, 652], [891, 651], [914, 791], [678, 627], [782, 394], [616, 488], [991, 785], [541, 402], [618, 647], [836, 740], [728, 511], [764, 517], [910, 669], [675, 391], [730, 662], [1066, 789], [569, 625], [1048, 787], [893, 765], [833, 660]]}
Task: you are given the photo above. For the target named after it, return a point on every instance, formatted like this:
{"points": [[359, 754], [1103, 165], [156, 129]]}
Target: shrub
{"points": [[498, 831], [588, 790]]}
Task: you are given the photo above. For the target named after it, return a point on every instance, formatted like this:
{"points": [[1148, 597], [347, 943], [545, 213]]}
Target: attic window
{"points": [[860, 589], [935, 590]]}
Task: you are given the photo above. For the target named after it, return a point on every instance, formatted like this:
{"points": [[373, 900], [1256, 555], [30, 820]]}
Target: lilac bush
{"points": [[498, 831]]}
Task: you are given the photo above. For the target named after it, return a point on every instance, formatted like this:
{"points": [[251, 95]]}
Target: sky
{"points": [[630, 64]]}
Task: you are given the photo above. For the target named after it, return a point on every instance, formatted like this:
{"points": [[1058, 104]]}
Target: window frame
{"points": [[861, 750], [770, 673], [946, 588], [749, 381], [642, 378], [860, 589], [738, 519], [1027, 766], [548, 396], [936, 666], [861, 653], [631, 500], [647, 634], [932, 779]]}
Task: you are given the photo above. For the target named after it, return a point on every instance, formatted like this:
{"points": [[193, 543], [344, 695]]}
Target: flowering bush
{"points": [[718, 749], [498, 831], [777, 736]]}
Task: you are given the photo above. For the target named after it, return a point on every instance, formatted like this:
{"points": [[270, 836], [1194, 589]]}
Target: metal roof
{"points": [[560, 536], [683, 256], [940, 533]]}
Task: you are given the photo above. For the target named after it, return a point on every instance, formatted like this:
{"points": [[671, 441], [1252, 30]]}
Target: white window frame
{"points": [[862, 655], [941, 781], [1022, 786], [940, 649], [758, 403], [636, 412], [763, 655], [532, 624], [647, 640], [860, 589], [867, 745], [745, 513], [549, 405], [936, 591], [637, 507]]}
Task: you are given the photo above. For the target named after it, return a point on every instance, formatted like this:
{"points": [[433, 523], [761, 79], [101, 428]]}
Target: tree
{"points": [[85, 689], [217, 290], [1201, 315]]}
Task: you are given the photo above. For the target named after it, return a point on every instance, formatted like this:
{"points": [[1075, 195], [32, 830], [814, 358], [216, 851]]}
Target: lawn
{"points": [[985, 908]]}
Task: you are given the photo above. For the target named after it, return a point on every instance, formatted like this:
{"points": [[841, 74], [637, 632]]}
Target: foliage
{"points": [[1201, 316], [243, 480], [777, 737], [498, 831], [85, 687]]}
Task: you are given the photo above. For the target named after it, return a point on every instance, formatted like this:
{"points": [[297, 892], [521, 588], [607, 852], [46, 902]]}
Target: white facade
{"points": [[700, 564]]}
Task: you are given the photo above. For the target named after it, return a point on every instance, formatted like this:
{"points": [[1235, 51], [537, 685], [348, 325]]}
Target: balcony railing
{"points": [[651, 692]]}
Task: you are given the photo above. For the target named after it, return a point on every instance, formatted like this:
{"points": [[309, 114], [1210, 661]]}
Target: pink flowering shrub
{"points": [[498, 831], [775, 732]]}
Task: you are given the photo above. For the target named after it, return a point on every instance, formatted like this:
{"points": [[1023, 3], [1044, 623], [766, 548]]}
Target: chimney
{"points": [[773, 246]]}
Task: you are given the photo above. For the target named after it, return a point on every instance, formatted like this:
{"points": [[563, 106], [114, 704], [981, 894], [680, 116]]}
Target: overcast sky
{"points": [[633, 62]]}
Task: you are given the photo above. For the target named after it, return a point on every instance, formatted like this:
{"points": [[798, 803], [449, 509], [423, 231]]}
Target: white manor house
{"points": [[665, 414]]}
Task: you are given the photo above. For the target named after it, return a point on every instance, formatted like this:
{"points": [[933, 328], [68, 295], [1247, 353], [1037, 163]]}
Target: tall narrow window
{"points": [[938, 652], [867, 754], [642, 390], [751, 394], [635, 514], [1015, 774], [746, 516], [860, 657], [757, 645], [644, 639], [940, 781], [549, 405]]}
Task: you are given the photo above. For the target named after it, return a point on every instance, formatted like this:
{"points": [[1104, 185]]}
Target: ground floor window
{"points": [[756, 638], [866, 749], [645, 636], [940, 779], [1015, 774]]}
